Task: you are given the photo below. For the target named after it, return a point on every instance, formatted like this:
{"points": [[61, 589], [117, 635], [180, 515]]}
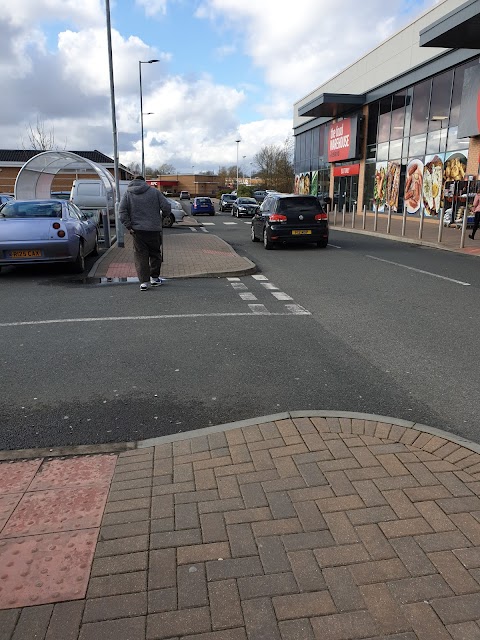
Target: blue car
{"points": [[202, 206], [46, 231]]}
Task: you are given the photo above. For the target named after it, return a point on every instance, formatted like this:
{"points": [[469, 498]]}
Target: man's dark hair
{"points": [[139, 178]]}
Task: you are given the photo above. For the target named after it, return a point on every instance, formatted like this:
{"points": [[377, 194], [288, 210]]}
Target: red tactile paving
{"points": [[7, 505], [74, 472], [41, 569], [56, 510], [15, 477]]}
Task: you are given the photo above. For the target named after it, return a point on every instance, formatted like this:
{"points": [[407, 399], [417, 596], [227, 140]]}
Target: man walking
{"points": [[141, 212], [476, 211]]}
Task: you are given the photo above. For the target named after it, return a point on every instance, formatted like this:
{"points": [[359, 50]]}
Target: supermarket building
{"points": [[396, 126]]}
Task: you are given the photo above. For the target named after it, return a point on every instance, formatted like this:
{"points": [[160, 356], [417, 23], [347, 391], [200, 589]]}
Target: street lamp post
{"points": [[140, 62], [238, 142]]}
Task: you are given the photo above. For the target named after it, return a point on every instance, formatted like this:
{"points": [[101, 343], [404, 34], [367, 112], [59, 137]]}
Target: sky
{"points": [[227, 70]]}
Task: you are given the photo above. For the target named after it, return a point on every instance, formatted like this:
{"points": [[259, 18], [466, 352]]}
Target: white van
{"points": [[92, 194]]}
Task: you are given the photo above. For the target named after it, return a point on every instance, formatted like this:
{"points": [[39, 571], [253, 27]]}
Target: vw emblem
{"points": [[300, 217]]}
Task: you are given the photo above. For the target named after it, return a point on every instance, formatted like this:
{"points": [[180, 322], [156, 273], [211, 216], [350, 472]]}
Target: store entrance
{"points": [[345, 189]]}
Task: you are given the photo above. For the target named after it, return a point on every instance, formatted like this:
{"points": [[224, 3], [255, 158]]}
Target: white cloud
{"points": [[153, 7]]}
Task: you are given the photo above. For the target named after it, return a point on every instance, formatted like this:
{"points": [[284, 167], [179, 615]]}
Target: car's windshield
{"points": [[32, 210], [247, 201], [228, 197], [305, 204]]}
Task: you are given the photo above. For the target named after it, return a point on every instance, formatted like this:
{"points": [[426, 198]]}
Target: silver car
{"points": [[177, 214], [43, 231]]}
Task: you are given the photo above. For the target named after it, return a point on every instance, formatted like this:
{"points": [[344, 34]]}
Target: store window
{"points": [[395, 151], [384, 119], [437, 141], [382, 151], [454, 143], [440, 102], [417, 146], [398, 115], [457, 93], [408, 111], [421, 101], [372, 124]]}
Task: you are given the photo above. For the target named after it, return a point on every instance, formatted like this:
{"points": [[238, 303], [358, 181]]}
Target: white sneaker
{"points": [[144, 286], [156, 282]]}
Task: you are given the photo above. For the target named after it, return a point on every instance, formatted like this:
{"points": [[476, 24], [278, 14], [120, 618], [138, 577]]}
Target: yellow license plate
{"points": [[32, 253], [301, 232]]}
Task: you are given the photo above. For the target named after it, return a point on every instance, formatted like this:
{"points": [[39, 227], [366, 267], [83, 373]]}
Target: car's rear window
{"points": [[296, 204], [32, 210], [203, 201]]}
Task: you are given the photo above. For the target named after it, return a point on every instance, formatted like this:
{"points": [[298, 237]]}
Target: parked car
{"points": [[226, 202], [176, 215], [288, 218], [245, 207], [60, 195], [184, 195], [5, 197], [259, 195], [202, 205], [39, 231]]}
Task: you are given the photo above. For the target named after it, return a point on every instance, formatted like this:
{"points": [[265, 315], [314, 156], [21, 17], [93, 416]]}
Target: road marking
{"points": [[259, 309], [208, 224], [258, 277], [230, 223], [192, 229], [247, 296], [334, 245], [427, 273], [233, 279], [256, 309], [247, 222], [269, 285], [239, 286], [279, 295], [297, 310], [205, 230]]}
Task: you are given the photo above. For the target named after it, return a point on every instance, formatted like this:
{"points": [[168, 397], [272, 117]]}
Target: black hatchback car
{"points": [[288, 218], [226, 201]]}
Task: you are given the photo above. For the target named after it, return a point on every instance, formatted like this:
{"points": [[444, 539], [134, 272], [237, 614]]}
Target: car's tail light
{"points": [[321, 216], [56, 225], [277, 217], [61, 233]]}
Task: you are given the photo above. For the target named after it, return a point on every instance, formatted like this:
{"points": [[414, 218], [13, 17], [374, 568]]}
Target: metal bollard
{"points": [[420, 226], [354, 208], [389, 219], [440, 225], [106, 229], [364, 215], [343, 215], [375, 218], [335, 215], [404, 220]]}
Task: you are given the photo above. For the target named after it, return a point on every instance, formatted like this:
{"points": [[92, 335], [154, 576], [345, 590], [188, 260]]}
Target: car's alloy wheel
{"points": [[95, 247], [266, 242], [253, 237], [168, 220]]}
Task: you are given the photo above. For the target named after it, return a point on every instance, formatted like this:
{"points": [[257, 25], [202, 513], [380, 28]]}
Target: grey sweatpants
{"points": [[147, 252]]}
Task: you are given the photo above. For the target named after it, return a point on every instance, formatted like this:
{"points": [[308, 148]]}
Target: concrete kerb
{"points": [[24, 454]]}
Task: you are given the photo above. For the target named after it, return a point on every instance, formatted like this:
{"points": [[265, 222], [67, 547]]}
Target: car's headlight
{"points": [[242, 208]]}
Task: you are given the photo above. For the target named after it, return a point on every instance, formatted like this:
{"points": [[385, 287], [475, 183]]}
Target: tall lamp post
{"points": [[238, 142], [140, 62]]}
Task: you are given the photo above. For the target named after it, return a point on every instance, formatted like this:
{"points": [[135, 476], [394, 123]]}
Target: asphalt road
{"points": [[386, 328]]}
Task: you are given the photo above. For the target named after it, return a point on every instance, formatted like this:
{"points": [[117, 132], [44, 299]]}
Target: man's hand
{"points": [[132, 232]]}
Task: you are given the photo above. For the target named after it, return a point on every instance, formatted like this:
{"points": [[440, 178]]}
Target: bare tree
{"points": [[40, 139], [275, 166], [166, 169], [134, 167]]}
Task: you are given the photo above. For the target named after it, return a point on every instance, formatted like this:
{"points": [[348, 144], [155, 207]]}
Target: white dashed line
{"points": [[208, 224], [259, 309], [205, 230], [247, 295], [334, 245], [239, 286], [279, 295], [258, 277], [297, 310], [192, 229], [230, 223], [233, 279], [269, 285]]}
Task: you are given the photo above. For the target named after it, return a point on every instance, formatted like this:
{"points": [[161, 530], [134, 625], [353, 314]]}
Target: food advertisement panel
{"points": [[433, 184], [393, 185], [414, 186], [380, 185], [297, 182], [314, 183], [455, 166]]}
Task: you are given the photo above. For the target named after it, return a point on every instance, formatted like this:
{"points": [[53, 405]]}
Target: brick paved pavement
{"points": [[295, 529], [185, 255]]}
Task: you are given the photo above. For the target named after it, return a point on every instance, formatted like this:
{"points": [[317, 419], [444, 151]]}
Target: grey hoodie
{"points": [[141, 207]]}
